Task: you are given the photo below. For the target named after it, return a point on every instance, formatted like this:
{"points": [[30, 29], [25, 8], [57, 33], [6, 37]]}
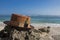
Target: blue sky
{"points": [[30, 7]]}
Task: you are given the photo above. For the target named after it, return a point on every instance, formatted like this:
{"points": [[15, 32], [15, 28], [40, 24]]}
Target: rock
{"points": [[17, 35], [45, 29], [32, 34]]}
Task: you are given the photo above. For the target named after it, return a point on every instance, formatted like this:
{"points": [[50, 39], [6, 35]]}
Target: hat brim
{"points": [[9, 23], [6, 22]]}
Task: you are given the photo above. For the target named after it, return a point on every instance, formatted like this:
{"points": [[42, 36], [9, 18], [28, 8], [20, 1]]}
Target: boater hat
{"points": [[19, 21]]}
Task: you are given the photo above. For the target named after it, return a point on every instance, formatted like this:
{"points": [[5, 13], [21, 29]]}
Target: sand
{"points": [[2, 25], [54, 30]]}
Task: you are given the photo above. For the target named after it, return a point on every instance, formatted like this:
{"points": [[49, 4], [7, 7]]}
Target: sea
{"points": [[35, 19]]}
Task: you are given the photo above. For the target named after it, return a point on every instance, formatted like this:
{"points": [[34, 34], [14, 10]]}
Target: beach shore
{"points": [[54, 28]]}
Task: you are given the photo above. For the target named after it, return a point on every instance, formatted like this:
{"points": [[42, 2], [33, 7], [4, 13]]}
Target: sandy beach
{"points": [[54, 30]]}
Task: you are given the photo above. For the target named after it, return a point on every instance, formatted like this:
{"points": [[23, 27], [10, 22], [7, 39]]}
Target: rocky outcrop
{"points": [[16, 33]]}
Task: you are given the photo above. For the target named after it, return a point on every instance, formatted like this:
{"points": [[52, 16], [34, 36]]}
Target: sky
{"points": [[30, 7]]}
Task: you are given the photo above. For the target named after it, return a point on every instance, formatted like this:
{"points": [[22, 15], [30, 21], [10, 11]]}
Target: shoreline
{"points": [[45, 24], [54, 28], [39, 24]]}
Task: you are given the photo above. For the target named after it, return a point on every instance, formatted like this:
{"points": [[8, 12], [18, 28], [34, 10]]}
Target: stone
{"points": [[32, 34], [45, 29]]}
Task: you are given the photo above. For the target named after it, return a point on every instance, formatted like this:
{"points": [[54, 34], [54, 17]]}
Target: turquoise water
{"points": [[35, 19], [4, 18], [45, 19]]}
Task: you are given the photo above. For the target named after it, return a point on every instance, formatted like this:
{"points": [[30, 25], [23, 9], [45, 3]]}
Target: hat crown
{"points": [[19, 20]]}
